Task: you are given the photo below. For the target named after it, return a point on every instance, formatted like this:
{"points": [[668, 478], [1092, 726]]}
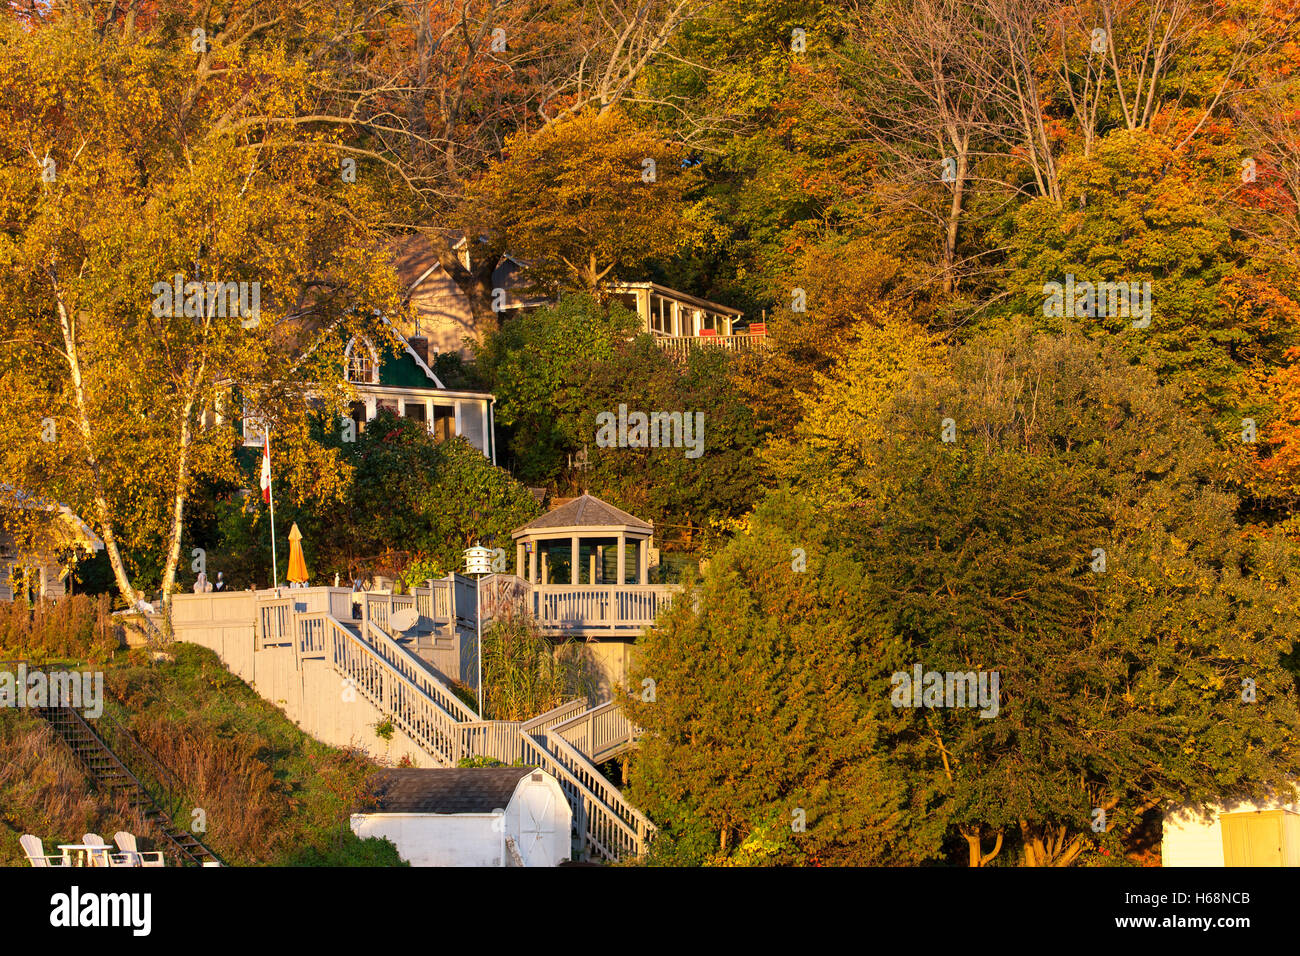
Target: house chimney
{"points": [[420, 346]]}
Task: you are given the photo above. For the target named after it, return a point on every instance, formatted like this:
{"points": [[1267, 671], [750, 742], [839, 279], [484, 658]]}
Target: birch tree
{"points": [[150, 264]]}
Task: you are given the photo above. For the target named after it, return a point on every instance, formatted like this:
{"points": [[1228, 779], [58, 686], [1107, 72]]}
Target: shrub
{"points": [[525, 674], [78, 627]]}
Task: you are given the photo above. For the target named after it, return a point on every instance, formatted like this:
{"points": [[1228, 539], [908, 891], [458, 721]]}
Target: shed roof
{"points": [[585, 511], [450, 790]]}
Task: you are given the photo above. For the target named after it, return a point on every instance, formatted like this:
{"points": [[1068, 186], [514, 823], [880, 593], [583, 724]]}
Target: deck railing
{"points": [[437, 601], [274, 619], [598, 733], [554, 717], [680, 346], [598, 608], [614, 828], [403, 687]]}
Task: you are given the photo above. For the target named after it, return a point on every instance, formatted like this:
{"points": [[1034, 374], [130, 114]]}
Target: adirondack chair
{"points": [[36, 852], [106, 858], [126, 843]]}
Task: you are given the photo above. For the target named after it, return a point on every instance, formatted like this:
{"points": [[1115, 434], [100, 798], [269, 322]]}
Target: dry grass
{"points": [[78, 627], [43, 790], [224, 777]]}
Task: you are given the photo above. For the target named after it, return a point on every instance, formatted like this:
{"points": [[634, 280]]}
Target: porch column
{"points": [[621, 577], [532, 565], [575, 572], [642, 557], [519, 560]]}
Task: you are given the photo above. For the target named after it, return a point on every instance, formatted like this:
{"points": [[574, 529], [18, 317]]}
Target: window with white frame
{"points": [[362, 362], [661, 315], [254, 429]]}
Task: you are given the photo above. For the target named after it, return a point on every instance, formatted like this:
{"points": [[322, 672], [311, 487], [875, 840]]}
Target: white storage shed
{"points": [[471, 816], [1238, 833]]}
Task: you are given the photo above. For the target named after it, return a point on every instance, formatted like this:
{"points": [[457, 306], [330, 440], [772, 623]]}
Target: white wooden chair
{"points": [[36, 852], [106, 858], [126, 843]]}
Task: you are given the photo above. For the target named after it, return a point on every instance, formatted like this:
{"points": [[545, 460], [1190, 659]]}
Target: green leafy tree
{"points": [[409, 509], [1151, 679], [556, 369]]}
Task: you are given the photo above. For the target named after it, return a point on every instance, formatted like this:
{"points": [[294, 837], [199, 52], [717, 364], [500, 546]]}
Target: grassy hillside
{"points": [[271, 795]]}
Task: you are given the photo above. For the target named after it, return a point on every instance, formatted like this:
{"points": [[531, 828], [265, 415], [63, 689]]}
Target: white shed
{"points": [[471, 816], [1237, 833]]}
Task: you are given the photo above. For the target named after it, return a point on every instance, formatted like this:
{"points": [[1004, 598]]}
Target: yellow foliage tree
{"points": [[585, 196], [172, 233], [843, 412]]}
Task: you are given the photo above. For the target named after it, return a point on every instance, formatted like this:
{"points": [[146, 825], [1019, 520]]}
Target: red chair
{"points": [[707, 332], [758, 328]]}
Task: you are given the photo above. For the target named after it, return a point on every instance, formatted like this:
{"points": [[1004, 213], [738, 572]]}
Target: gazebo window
{"points": [[580, 543]]}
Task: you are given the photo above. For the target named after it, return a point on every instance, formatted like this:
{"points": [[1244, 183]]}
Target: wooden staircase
{"points": [[400, 684], [110, 767]]}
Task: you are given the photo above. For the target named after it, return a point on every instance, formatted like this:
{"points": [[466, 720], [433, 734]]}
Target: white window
{"points": [[661, 315], [254, 430], [362, 362]]}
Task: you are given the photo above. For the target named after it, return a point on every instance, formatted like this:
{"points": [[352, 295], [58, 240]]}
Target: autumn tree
{"points": [[1069, 538], [587, 195], [557, 368], [150, 267]]}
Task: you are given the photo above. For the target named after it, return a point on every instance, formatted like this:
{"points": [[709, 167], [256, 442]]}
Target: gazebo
{"points": [[584, 541]]}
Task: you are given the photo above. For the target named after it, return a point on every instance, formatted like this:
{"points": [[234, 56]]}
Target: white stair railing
{"points": [[400, 686]]}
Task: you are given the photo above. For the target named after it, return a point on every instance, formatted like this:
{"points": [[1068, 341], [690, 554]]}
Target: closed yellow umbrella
{"points": [[297, 563]]}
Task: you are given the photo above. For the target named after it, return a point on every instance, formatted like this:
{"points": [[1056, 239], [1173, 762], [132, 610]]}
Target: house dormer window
{"points": [[362, 362]]}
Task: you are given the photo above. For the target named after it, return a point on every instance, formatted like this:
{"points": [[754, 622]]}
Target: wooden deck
{"points": [[681, 346], [314, 627]]}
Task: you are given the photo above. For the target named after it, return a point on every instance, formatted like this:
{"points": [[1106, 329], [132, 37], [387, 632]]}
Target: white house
{"points": [[1238, 833], [39, 566], [479, 816], [408, 387]]}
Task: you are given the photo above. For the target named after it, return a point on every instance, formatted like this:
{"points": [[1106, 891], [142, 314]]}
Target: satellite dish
{"points": [[405, 619]]}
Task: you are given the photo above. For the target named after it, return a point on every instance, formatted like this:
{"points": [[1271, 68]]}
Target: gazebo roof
{"points": [[585, 511]]}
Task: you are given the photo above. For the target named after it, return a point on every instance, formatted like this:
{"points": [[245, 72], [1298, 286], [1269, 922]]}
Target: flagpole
{"points": [[270, 488]]}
